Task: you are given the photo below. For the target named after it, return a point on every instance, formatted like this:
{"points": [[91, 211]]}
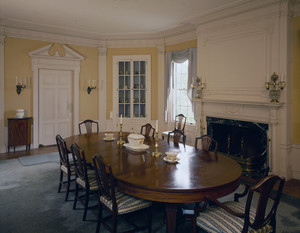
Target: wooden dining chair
{"points": [[177, 135], [85, 180], [66, 166], [207, 144], [88, 126], [147, 130], [115, 201], [180, 121], [237, 217]]}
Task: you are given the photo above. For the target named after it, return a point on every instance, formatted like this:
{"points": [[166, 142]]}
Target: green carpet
{"points": [[29, 203]]}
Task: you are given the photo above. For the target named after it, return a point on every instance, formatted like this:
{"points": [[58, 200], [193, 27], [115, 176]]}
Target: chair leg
{"points": [[114, 223], [99, 220], [60, 180], [195, 227], [75, 196], [86, 204], [68, 186], [149, 216]]}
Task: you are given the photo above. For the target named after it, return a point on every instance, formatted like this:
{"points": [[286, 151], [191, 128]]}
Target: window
{"points": [[181, 102], [181, 66], [132, 82]]}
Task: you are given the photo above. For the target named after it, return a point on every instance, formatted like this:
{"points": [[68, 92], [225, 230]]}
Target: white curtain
{"points": [[179, 57]]}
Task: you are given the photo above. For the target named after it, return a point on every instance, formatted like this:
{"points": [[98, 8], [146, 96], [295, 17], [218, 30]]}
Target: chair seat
{"points": [[126, 203], [65, 169], [92, 180], [215, 219], [166, 133]]}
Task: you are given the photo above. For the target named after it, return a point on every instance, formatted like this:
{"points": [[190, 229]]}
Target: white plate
{"points": [[108, 140], [139, 148], [171, 161]]}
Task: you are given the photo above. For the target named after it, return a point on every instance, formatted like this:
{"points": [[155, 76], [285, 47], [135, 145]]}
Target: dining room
{"points": [[230, 68]]}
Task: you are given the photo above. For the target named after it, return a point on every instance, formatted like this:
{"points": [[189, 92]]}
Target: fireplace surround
{"points": [[244, 141]]}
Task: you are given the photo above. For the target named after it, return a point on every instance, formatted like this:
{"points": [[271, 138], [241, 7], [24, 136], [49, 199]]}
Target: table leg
{"points": [[171, 210]]}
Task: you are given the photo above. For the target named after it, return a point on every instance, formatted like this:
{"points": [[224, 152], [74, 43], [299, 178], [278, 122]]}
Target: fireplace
{"points": [[246, 142]]}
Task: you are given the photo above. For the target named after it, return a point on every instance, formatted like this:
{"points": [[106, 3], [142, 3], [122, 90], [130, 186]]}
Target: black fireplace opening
{"points": [[246, 142]]}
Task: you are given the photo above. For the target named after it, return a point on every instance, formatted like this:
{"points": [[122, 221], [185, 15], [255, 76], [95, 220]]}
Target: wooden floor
{"points": [[291, 187]]}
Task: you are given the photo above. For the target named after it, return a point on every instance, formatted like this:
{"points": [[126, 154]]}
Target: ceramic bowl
{"points": [[135, 139]]}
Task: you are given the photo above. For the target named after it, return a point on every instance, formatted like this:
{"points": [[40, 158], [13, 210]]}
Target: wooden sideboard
{"points": [[19, 132]]}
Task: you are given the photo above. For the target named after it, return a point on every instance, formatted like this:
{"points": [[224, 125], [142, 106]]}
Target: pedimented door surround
{"points": [[55, 57]]}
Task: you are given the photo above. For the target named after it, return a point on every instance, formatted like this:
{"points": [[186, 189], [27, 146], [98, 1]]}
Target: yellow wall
{"points": [[154, 73], [18, 63], [88, 103], [296, 80]]}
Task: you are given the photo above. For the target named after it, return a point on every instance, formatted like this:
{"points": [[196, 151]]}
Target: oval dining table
{"points": [[197, 173]]}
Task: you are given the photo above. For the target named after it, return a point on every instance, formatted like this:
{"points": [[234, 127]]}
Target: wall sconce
{"points": [[274, 87], [20, 85], [91, 87], [197, 86]]}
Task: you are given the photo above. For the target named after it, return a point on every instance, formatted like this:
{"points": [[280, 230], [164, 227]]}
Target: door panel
{"points": [[55, 99]]}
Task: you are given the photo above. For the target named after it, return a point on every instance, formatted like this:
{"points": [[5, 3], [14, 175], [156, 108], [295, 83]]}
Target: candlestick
{"points": [[274, 86], [90, 88], [156, 153], [121, 142], [20, 86]]}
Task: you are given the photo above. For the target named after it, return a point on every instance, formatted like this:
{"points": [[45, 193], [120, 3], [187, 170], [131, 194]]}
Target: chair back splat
{"points": [[66, 166], [147, 130], [207, 144], [248, 217], [85, 179], [116, 202], [180, 121], [88, 126], [265, 188], [177, 135]]}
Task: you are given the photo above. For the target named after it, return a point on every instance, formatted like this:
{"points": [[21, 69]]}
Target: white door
{"points": [[55, 105]]}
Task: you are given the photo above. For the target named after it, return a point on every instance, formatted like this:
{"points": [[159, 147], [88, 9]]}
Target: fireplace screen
{"points": [[245, 142]]}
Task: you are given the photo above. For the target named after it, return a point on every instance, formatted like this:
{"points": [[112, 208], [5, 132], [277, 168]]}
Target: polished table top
{"points": [[196, 175], [139, 173]]}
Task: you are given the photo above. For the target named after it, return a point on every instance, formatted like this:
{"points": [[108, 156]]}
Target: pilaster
{"points": [[2, 104]]}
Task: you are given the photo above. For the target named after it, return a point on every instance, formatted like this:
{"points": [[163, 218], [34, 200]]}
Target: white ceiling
{"points": [[98, 18]]}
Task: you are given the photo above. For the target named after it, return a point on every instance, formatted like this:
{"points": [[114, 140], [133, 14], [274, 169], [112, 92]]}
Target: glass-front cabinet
{"points": [[132, 79]]}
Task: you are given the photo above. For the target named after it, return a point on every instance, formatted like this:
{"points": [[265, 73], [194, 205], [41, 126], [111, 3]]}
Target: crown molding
{"points": [[134, 43], [51, 37], [236, 13], [186, 36]]}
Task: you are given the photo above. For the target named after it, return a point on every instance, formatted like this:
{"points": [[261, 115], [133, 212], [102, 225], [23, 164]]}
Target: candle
{"points": [[16, 80], [281, 77], [121, 122], [267, 77], [22, 81], [156, 126], [94, 83], [89, 83]]}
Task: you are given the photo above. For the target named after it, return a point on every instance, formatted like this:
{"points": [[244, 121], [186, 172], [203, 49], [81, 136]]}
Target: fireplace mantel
{"points": [[240, 102], [252, 111]]}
